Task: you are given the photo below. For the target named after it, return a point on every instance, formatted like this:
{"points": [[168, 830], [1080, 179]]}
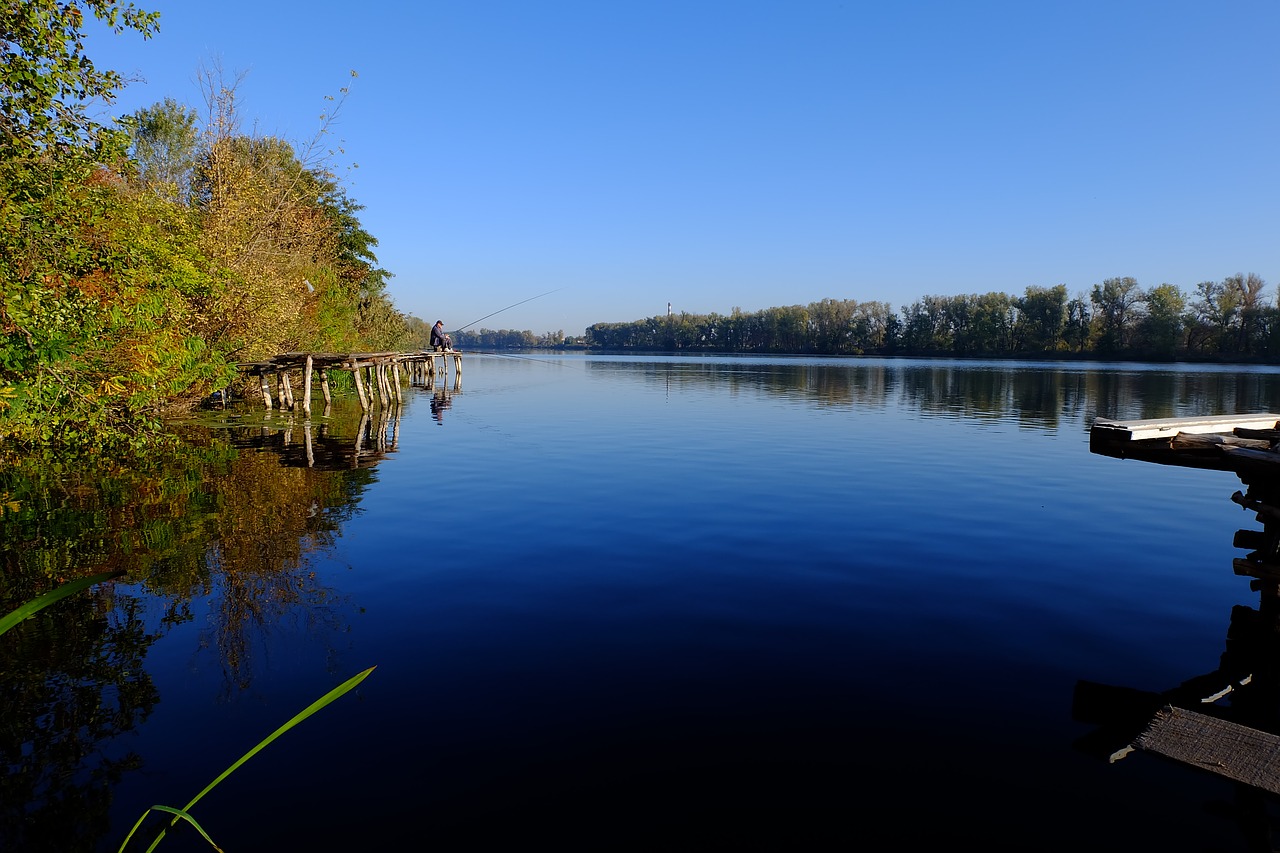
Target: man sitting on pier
{"points": [[440, 342]]}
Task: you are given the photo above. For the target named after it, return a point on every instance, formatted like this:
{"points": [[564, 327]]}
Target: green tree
{"points": [[1215, 314], [1161, 329], [47, 80], [1116, 301], [1246, 291], [1042, 318], [164, 144]]}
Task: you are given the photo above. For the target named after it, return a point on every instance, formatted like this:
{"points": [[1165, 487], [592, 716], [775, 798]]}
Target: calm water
{"points": [[620, 602]]}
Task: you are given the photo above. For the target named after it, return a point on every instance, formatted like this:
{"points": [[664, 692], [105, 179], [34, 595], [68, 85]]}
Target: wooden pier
{"points": [[1226, 722], [379, 376]]}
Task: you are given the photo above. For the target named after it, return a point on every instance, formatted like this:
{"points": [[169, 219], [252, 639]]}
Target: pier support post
{"points": [[364, 399], [306, 387]]}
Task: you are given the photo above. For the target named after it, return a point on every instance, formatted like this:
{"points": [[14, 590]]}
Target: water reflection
{"points": [[1036, 394], [326, 446], [222, 539], [223, 532], [441, 400], [71, 687], [1243, 690]]}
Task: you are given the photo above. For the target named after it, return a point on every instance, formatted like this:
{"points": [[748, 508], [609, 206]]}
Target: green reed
{"points": [[184, 812], [37, 604]]}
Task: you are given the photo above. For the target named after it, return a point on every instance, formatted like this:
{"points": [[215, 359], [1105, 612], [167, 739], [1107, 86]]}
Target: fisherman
{"points": [[440, 342]]}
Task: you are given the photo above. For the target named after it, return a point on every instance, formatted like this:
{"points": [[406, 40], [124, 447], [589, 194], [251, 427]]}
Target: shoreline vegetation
{"points": [[144, 259]]}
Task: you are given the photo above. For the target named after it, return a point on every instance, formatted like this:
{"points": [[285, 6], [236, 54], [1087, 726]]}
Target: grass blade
{"points": [[324, 700], [35, 605], [335, 693], [181, 815]]}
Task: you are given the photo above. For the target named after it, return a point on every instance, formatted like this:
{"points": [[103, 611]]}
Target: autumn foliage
{"points": [[141, 261]]}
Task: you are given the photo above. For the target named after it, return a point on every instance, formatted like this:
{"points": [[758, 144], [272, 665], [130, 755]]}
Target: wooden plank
{"points": [[1140, 430], [1259, 507], [1199, 440], [1262, 457], [1226, 749], [1269, 435], [1254, 569]]}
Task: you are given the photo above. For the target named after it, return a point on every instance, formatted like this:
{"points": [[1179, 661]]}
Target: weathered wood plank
{"points": [[1262, 509], [1245, 567], [1139, 430], [1264, 457], [1226, 749], [1192, 440]]}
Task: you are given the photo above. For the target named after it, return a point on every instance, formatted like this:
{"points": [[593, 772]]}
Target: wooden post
{"points": [[364, 399], [395, 371], [324, 387], [288, 389], [364, 425], [266, 389], [306, 387]]}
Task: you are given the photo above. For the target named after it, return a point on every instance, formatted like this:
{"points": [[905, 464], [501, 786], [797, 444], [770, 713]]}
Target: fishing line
{"points": [[521, 357], [500, 310]]}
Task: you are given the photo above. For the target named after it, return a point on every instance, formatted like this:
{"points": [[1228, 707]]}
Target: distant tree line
{"points": [[1225, 320]]}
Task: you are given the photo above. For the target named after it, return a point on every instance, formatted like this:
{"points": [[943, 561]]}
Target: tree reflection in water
{"points": [[236, 526]]}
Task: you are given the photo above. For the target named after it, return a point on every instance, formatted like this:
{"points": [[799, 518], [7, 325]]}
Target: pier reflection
{"points": [[1225, 722], [325, 446], [221, 543]]}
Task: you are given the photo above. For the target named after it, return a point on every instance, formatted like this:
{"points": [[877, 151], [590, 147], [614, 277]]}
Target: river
{"points": [[632, 603]]}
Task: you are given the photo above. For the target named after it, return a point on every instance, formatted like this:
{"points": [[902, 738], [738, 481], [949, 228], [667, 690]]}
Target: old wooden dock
{"points": [[379, 376], [1189, 723]]}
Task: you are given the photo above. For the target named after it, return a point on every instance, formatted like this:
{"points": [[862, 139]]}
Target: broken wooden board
{"points": [[1226, 749]]}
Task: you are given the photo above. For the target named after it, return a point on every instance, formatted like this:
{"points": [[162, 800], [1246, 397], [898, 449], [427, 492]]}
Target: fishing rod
{"points": [[500, 310]]}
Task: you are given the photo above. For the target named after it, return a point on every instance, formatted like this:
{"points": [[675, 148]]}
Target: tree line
{"points": [[1231, 319], [142, 259]]}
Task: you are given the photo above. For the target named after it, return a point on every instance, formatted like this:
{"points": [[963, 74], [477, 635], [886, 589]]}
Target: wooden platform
{"points": [[1244, 444], [1142, 430], [381, 372], [1218, 737]]}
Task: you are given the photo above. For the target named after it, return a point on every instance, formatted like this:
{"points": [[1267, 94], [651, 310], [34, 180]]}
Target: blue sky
{"points": [[750, 154]]}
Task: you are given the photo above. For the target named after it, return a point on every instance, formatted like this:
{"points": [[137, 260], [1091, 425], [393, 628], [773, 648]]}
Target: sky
{"points": [[548, 165]]}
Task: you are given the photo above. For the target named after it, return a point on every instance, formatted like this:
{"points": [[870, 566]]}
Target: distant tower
{"points": [[668, 309]]}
